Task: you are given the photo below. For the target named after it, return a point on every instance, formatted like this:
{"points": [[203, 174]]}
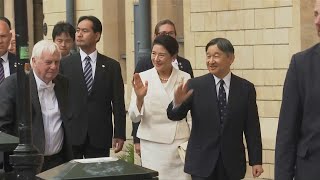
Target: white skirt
{"points": [[164, 158]]}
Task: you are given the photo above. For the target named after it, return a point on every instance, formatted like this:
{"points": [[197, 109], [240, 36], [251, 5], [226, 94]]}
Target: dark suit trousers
{"points": [[86, 150], [6, 161], [219, 173], [52, 161]]}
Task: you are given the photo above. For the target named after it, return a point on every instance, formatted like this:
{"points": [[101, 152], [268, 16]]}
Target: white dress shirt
{"points": [[227, 80], [5, 64], [52, 122], [93, 61]]}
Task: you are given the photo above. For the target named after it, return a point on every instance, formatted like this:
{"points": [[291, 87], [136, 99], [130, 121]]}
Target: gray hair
{"points": [[44, 46]]}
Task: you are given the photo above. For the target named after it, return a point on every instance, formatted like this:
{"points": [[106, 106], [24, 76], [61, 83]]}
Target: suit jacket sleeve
{"points": [[179, 113], [8, 104], [252, 129], [119, 111], [288, 127], [133, 111]]}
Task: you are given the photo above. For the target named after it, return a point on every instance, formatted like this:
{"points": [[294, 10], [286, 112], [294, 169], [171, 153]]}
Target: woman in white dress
{"points": [[153, 90]]}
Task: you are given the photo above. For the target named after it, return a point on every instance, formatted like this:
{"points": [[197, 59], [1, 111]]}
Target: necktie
{"points": [[222, 102], [47, 95], [43, 86], [88, 74], [1, 71]]}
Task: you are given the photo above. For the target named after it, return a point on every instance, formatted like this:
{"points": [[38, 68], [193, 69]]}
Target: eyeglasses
{"points": [[171, 33]]}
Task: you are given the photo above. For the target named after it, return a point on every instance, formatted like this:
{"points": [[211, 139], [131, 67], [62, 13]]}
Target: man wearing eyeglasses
{"points": [[164, 27]]}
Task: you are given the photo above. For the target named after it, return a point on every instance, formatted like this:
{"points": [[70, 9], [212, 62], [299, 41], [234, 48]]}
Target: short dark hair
{"points": [[63, 27], [163, 22], [97, 26], [223, 44], [6, 20], [167, 42]]}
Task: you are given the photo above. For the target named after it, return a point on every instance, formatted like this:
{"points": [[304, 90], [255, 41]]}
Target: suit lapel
{"points": [[180, 63], [172, 81], [234, 93], [12, 63], [101, 67], [58, 90], [159, 88], [211, 87], [34, 93], [37, 121], [78, 72]]}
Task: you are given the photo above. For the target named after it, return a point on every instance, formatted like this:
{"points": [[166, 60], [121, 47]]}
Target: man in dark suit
{"points": [[7, 63], [49, 92], [223, 107], [166, 27], [96, 90], [63, 34], [297, 153], [7, 59]]}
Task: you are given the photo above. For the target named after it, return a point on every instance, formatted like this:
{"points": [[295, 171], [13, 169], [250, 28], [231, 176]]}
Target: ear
{"points": [[33, 62], [231, 58], [98, 36], [154, 36]]}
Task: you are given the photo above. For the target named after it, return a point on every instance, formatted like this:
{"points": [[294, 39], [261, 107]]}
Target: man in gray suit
{"points": [[298, 137], [49, 92]]}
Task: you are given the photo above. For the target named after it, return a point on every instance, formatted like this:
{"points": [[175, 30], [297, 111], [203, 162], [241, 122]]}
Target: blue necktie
{"points": [[88, 74], [222, 103], [1, 71]]}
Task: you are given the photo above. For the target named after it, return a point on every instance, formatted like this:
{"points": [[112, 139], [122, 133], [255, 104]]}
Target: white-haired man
{"points": [[49, 92]]}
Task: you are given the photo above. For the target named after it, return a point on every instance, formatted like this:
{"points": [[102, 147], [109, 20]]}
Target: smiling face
{"points": [[218, 62], [161, 58]]}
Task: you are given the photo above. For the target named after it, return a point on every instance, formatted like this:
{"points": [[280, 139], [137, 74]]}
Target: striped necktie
{"points": [[1, 71], [88, 74]]}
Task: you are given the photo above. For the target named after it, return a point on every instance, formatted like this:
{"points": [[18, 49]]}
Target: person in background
{"points": [[63, 34], [12, 46], [153, 91], [7, 67]]}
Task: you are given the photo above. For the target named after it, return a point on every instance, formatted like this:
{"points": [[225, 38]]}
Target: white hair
{"points": [[44, 45]]}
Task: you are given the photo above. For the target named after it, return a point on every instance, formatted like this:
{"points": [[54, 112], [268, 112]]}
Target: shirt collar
{"points": [[40, 83], [175, 61], [93, 55], [226, 79], [5, 57]]}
